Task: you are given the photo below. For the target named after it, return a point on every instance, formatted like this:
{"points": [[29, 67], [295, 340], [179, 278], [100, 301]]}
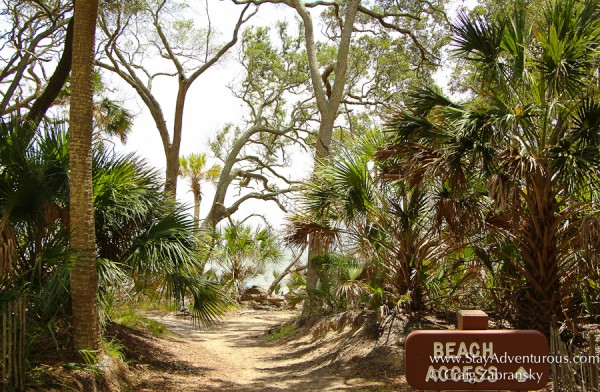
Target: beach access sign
{"points": [[474, 358]]}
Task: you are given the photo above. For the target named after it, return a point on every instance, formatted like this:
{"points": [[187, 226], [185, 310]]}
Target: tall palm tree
{"points": [[84, 281], [530, 135], [193, 167]]}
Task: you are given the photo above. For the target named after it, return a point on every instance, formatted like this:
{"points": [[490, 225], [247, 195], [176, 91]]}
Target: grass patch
{"points": [[281, 332], [155, 328], [114, 348], [129, 318]]}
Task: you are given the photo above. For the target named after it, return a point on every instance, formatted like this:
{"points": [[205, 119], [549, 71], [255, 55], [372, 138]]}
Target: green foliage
{"points": [[114, 348], [274, 85], [383, 60], [155, 328], [129, 317], [296, 282], [210, 300], [89, 364], [281, 332], [389, 227], [243, 252], [144, 240], [193, 167], [268, 64], [111, 118], [340, 286], [590, 295], [517, 164]]}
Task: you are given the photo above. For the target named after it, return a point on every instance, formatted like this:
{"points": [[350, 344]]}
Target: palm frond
{"points": [[570, 43], [210, 301], [479, 39], [166, 246]]}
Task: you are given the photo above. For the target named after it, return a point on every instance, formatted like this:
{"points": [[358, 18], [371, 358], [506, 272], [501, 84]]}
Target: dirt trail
{"points": [[236, 356]]}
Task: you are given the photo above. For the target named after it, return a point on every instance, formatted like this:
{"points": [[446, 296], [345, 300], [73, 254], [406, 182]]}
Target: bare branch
{"points": [[270, 196], [226, 47], [381, 19], [165, 43]]}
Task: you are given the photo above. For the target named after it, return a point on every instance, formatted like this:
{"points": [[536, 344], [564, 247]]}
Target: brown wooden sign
{"points": [[477, 360]]}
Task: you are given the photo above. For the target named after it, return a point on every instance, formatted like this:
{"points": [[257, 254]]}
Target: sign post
{"points": [[475, 358]]}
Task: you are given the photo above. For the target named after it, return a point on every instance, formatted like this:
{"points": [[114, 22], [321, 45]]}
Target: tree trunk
{"points": [[172, 171], [285, 272], [218, 211], [197, 200], [172, 152], [539, 300], [328, 103], [56, 82], [315, 248], [84, 280]]}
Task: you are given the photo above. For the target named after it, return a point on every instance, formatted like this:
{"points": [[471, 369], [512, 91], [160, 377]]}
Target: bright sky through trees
{"points": [[210, 106], [210, 103]]}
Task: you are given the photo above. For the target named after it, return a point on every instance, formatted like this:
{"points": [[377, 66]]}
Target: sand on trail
{"points": [[236, 356]]}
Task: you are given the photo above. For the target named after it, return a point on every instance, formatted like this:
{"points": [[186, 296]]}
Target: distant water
{"points": [[264, 280]]}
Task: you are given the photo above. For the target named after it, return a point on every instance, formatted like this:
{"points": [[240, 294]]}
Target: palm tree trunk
{"points": [[197, 200], [84, 281], [540, 298]]}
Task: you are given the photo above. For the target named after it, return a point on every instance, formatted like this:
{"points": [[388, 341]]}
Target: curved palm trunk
{"points": [[540, 298], [84, 282], [197, 201]]}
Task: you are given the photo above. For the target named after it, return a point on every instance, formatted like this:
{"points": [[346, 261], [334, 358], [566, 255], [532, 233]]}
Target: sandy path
{"points": [[236, 356], [237, 353]]}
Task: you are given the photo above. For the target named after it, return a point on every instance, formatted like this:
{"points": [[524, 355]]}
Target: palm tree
{"points": [[528, 137], [388, 224], [143, 239], [243, 252], [193, 167], [112, 119], [84, 281]]}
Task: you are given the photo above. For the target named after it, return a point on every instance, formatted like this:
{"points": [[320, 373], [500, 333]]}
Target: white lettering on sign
{"points": [[464, 349], [471, 374], [479, 374]]}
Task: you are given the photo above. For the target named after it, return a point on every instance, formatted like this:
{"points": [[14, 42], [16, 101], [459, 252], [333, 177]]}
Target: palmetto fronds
{"points": [[388, 225], [529, 135], [243, 252], [140, 234]]}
